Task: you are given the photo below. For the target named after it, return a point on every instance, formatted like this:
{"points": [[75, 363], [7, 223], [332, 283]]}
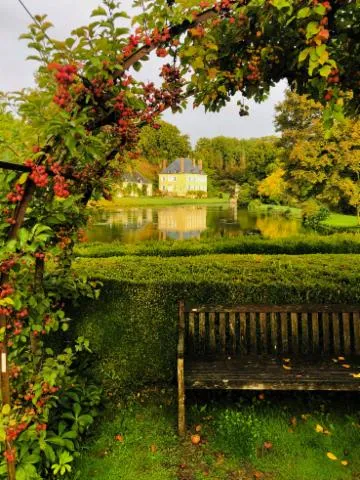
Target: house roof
{"points": [[189, 167], [135, 177]]}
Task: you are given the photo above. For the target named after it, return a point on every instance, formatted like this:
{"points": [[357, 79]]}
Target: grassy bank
{"points": [[337, 220], [137, 440], [157, 202], [297, 245], [334, 221]]}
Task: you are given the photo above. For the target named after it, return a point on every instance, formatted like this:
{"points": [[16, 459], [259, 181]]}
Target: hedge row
{"points": [[132, 328], [302, 244]]}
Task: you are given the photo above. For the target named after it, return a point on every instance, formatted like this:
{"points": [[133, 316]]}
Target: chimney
{"points": [[193, 163], [182, 165], [200, 165], [164, 164]]}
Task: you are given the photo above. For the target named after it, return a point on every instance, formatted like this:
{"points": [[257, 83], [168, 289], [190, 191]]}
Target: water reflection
{"points": [[181, 223], [277, 227], [131, 225]]}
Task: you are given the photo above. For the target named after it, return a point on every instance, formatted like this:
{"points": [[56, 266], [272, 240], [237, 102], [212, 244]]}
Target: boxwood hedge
{"points": [[132, 327], [301, 244]]}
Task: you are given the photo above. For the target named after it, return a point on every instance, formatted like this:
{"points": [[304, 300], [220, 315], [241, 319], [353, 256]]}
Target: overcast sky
{"points": [[17, 72]]}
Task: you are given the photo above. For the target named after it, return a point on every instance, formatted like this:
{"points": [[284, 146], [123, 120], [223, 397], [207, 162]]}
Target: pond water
{"points": [[130, 225]]}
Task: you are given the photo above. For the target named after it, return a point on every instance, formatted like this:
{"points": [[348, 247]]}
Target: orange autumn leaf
{"points": [[346, 365], [344, 462], [355, 375], [286, 367]]}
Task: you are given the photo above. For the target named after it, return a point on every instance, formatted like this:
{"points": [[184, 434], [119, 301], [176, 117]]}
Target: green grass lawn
{"points": [[137, 440], [338, 220], [158, 201]]}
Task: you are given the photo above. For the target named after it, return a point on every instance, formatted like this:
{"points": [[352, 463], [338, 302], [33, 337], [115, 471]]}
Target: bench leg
{"points": [[181, 397]]}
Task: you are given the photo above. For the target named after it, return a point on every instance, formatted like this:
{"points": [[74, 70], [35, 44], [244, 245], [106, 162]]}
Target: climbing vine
{"points": [[87, 112]]}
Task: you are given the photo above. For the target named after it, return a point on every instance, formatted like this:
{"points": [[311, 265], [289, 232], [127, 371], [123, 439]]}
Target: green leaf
{"points": [[280, 4], [22, 178], [6, 301], [312, 29], [100, 11], [320, 9], [304, 54], [137, 66], [6, 409], [304, 12], [325, 71]]}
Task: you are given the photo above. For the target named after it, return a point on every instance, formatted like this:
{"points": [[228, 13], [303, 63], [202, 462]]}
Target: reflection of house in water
{"points": [[130, 217], [181, 222]]}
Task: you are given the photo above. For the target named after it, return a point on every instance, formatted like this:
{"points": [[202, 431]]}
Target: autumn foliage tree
{"points": [[88, 110], [315, 163]]}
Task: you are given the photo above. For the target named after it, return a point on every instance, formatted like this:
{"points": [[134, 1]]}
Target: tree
{"points": [[325, 169], [16, 137], [274, 186], [163, 143], [233, 160]]}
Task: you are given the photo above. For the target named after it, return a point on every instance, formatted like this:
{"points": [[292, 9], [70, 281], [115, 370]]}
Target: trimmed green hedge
{"points": [[302, 244], [132, 328]]}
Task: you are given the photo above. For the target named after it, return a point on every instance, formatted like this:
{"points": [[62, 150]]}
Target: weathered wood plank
{"points": [[222, 331], [202, 333], [275, 308], [273, 385], [336, 332], [243, 343], [232, 333], [191, 331], [284, 332], [274, 332], [252, 327], [356, 323], [305, 347], [315, 331], [346, 333], [263, 333], [294, 333], [326, 332], [212, 336]]}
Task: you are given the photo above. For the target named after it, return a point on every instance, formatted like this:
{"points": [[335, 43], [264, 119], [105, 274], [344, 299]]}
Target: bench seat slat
{"points": [[236, 374]]}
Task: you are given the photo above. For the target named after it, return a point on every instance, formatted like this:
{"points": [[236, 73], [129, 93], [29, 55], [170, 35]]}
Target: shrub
{"points": [[301, 244], [239, 432], [133, 326], [313, 214]]}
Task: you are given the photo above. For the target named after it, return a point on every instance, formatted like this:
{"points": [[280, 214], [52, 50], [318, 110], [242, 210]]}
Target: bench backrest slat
{"points": [[261, 330]]}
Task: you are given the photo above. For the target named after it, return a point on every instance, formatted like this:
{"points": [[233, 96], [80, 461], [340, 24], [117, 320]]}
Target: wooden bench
{"points": [[268, 347]]}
